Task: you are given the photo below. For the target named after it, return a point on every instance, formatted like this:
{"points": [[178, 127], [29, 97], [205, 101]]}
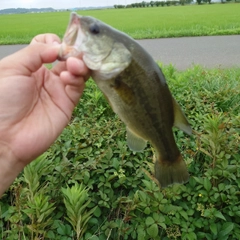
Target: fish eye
{"points": [[94, 28]]}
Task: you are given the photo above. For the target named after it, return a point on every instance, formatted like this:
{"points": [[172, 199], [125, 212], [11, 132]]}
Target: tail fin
{"points": [[168, 172]]}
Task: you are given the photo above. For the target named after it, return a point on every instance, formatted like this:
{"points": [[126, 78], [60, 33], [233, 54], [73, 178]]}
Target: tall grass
{"points": [[156, 22]]}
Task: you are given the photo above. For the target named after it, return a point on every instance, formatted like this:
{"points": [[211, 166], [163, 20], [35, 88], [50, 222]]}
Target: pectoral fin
{"points": [[180, 121], [134, 142]]}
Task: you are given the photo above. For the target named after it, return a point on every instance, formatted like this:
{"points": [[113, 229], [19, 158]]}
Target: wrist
{"points": [[10, 167]]}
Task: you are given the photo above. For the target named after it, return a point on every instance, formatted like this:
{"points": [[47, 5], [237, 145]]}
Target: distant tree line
{"points": [[144, 4], [25, 10], [209, 1]]}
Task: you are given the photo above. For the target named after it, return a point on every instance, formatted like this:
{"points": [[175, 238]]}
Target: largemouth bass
{"points": [[136, 89]]}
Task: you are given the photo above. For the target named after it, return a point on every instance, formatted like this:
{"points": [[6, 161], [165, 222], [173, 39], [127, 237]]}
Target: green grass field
{"points": [[174, 21]]}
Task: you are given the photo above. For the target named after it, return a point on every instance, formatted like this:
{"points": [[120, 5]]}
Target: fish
{"points": [[135, 88]]}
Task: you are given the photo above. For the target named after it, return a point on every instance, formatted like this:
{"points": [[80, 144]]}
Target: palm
{"points": [[39, 105]]}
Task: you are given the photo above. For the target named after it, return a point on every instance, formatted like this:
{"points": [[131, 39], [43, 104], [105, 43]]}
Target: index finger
{"points": [[48, 38], [29, 59]]}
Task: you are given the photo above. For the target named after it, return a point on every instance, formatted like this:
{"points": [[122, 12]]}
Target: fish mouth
{"points": [[72, 39]]}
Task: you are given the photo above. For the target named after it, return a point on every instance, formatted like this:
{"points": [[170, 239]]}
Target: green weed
{"points": [[89, 185], [76, 200]]}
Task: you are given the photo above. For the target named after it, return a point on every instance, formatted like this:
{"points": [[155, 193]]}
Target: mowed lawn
{"points": [[174, 21]]}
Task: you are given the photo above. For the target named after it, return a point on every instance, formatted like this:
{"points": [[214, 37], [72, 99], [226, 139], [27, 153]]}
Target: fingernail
{"points": [[56, 43]]}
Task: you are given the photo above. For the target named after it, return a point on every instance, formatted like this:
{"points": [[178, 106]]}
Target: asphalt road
{"points": [[214, 51]]}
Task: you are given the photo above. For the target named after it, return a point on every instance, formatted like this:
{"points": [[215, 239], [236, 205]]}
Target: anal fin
{"points": [[180, 120], [134, 142]]}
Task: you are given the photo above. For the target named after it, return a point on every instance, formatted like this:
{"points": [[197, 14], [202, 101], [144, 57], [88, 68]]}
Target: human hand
{"points": [[36, 103]]}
